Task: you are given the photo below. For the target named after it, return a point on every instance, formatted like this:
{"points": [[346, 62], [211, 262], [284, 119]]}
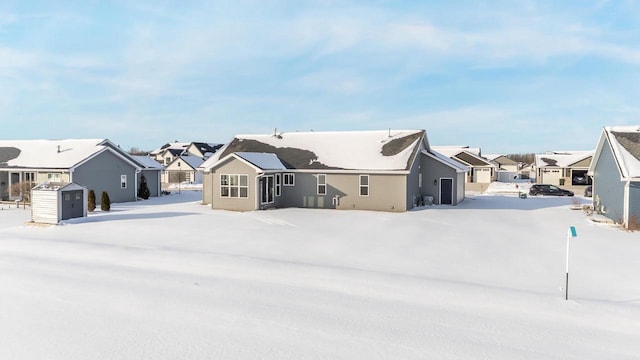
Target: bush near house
{"points": [[91, 200], [24, 190], [105, 203], [143, 191]]}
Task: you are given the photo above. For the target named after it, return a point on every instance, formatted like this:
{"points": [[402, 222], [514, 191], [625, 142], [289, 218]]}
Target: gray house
{"points": [[96, 164], [367, 170], [616, 174]]}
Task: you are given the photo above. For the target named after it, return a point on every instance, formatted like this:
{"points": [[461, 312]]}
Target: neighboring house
{"points": [[503, 162], [97, 164], [183, 168], [506, 168], [616, 174], [167, 152], [365, 170], [170, 151], [481, 170], [528, 171], [563, 167], [200, 149]]}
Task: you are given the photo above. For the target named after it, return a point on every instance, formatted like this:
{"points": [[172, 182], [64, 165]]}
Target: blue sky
{"points": [[505, 76]]}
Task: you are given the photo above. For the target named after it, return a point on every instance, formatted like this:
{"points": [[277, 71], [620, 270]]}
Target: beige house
{"points": [[183, 169], [563, 167], [365, 170]]}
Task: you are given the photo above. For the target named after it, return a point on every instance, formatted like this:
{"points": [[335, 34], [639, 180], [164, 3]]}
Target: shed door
{"points": [[72, 204], [446, 191]]}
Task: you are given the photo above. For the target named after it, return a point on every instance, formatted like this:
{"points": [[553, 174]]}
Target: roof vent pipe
{"points": [[389, 132], [58, 148]]}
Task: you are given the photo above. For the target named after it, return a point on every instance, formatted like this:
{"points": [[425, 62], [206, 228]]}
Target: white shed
{"points": [[54, 202]]}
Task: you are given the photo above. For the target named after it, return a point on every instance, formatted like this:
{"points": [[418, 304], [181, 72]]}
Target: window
{"points": [[420, 180], [167, 160], [364, 185], [123, 181], [234, 186], [322, 184], [30, 176], [53, 177], [289, 179], [278, 184]]}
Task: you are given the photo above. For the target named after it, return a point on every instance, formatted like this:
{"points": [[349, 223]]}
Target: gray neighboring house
{"points": [[616, 174], [97, 164], [391, 170]]}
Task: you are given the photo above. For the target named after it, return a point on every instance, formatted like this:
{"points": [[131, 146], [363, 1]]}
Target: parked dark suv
{"points": [[544, 189]]}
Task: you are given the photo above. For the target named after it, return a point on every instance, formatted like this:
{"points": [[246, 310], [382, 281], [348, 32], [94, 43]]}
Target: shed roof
{"points": [[56, 186]]}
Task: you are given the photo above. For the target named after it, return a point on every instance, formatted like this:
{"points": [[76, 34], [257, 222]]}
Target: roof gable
{"points": [[624, 142]]}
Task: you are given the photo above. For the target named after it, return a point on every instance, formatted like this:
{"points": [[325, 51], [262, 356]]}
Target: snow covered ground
{"points": [[169, 278]]}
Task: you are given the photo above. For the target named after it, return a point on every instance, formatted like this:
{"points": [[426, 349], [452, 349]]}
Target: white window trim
{"points": [[318, 184], [291, 176], [123, 181], [238, 186], [360, 186], [266, 182]]}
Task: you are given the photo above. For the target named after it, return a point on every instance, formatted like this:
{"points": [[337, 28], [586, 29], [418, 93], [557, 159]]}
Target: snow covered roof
{"points": [[192, 161], [346, 150], [171, 146], [453, 150], [625, 144], [561, 159], [148, 162], [463, 154], [52, 154], [264, 161], [55, 186]]}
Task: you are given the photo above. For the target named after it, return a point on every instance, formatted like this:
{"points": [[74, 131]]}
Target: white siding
{"points": [[45, 207]]}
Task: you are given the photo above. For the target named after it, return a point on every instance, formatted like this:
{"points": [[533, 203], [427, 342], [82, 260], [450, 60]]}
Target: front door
{"points": [[446, 191], [266, 189]]}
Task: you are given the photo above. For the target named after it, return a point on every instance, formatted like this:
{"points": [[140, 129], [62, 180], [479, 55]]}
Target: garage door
{"points": [[482, 175], [551, 176]]}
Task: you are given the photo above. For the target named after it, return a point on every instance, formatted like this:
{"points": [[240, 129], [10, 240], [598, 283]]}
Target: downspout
{"points": [[257, 191], [135, 183], [625, 207]]}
